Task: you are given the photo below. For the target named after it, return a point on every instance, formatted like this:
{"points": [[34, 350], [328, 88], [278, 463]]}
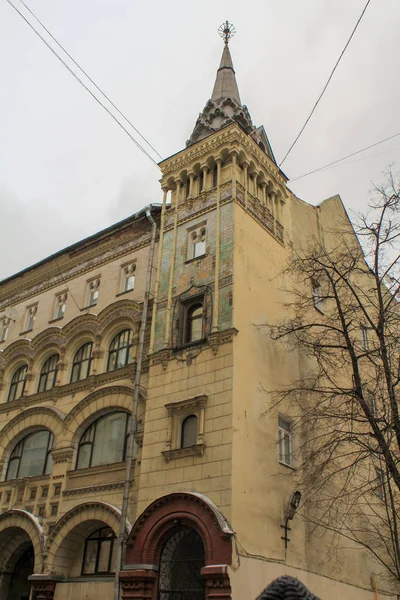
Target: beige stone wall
{"points": [[209, 474]]}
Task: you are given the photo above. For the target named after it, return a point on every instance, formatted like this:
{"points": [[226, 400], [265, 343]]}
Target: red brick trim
{"points": [[158, 522]]}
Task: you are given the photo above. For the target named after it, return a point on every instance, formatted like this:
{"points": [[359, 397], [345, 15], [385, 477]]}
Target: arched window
{"points": [[82, 362], [98, 554], [17, 386], [48, 373], [120, 352], [104, 442], [182, 559], [189, 432], [31, 456], [194, 323]]}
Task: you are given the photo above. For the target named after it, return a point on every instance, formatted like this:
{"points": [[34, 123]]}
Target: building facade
{"points": [[118, 422]]}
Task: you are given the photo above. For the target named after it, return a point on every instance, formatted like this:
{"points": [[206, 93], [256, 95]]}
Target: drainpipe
{"points": [[133, 419]]}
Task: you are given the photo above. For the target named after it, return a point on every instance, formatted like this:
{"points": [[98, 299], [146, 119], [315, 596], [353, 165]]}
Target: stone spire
{"points": [[225, 106]]}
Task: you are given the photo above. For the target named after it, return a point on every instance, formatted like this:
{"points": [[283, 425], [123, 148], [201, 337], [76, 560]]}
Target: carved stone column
{"points": [[191, 180]]}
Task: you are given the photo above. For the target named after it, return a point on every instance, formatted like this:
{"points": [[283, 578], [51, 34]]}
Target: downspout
{"points": [[133, 420]]}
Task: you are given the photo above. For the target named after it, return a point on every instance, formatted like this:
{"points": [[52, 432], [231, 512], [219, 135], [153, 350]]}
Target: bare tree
{"points": [[345, 321]]}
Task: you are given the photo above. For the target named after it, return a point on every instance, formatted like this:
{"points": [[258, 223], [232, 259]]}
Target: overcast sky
{"points": [[67, 170]]}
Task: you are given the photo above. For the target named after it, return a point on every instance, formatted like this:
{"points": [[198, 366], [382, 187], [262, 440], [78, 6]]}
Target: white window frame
{"points": [[317, 295], [30, 317], [92, 292], [285, 432], [128, 271], [196, 236], [60, 305]]}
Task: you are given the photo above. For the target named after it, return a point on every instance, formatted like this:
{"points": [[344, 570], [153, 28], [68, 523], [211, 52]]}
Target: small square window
{"points": [[57, 490], [60, 306], [4, 327], [32, 494], [92, 292], [54, 510], [127, 277], [285, 442], [30, 317], [197, 242], [42, 511], [318, 298], [45, 492], [8, 496]]}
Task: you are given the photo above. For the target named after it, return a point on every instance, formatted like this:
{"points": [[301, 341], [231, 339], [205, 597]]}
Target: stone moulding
{"points": [[117, 485], [196, 450]]}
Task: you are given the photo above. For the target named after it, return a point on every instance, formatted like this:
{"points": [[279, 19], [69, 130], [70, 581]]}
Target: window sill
{"points": [[123, 293], [197, 450], [293, 468], [88, 307], [190, 260], [190, 344], [55, 320], [25, 332]]}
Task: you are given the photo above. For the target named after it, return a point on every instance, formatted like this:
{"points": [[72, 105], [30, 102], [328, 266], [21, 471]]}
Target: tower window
{"points": [[189, 432], [197, 242], [193, 323]]}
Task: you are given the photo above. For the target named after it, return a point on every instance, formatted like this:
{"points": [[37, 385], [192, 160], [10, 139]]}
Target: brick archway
{"points": [[139, 577]]}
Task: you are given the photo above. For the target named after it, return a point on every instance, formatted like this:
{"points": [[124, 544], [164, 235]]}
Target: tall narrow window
{"points": [[31, 456], [201, 181], [128, 277], [82, 362], [98, 554], [17, 386], [4, 326], [189, 432], [104, 442], [194, 323], [120, 352], [364, 337], [181, 561], [60, 306], [30, 317], [379, 484], [48, 374], [197, 242], [215, 176], [317, 296], [285, 442], [92, 292]]}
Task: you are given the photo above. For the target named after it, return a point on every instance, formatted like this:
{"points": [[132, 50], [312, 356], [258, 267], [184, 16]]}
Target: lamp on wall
{"points": [[290, 512]]}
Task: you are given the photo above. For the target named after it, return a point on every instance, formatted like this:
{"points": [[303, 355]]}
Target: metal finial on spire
{"points": [[226, 31]]}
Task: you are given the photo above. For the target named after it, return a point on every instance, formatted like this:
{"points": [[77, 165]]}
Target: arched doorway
{"points": [[181, 561], [179, 548], [20, 586]]}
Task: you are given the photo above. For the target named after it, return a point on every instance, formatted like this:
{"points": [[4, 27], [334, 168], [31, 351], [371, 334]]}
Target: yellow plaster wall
{"points": [[84, 590]]}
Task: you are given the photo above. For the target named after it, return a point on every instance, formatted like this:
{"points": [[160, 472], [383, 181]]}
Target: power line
{"points": [[326, 85], [344, 158], [88, 76], [82, 83]]}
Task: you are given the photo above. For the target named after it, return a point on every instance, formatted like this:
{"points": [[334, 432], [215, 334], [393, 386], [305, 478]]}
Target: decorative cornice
{"points": [[92, 489], [62, 455], [188, 404]]}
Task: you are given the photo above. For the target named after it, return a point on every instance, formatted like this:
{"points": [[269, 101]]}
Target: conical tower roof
{"points": [[225, 106]]}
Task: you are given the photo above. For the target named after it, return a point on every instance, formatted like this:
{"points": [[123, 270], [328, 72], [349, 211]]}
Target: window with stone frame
{"points": [[48, 374], [31, 456], [192, 313], [120, 352], [82, 362], [30, 317], [92, 292], [60, 305], [128, 274], [104, 441], [197, 241], [185, 428], [4, 327]]}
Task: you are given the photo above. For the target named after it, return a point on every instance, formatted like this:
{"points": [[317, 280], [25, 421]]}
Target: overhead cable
{"points": [[326, 85], [82, 83], [344, 158]]}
